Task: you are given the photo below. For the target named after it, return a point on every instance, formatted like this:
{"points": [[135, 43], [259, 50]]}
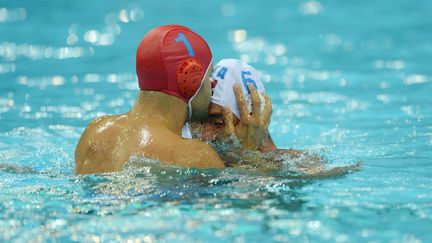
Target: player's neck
{"points": [[161, 108]]}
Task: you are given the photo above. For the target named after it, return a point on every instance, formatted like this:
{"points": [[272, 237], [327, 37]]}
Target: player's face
{"points": [[214, 124]]}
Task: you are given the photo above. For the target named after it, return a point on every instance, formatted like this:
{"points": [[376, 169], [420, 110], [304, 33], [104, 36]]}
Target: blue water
{"points": [[350, 79]]}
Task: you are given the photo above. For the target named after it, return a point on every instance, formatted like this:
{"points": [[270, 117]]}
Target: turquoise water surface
{"points": [[349, 79]]}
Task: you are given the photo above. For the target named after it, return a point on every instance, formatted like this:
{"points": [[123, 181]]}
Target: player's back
{"points": [[108, 143]]}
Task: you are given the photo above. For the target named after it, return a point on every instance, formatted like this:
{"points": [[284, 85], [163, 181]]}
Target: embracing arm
{"points": [[249, 144]]}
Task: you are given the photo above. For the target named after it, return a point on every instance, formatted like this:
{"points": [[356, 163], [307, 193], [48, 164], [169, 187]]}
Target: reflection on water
{"points": [[12, 51], [350, 81], [12, 14]]}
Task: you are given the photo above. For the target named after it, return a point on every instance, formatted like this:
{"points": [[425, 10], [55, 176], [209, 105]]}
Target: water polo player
{"points": [[240, 109], [173, 65]]}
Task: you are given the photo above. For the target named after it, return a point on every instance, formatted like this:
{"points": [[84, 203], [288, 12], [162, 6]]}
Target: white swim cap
{"points": [[226, 74]]}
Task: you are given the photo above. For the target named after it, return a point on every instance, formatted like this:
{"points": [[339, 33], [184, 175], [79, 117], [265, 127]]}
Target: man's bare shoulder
{"points": [[104, 123], [195, 154], [97, 142]]}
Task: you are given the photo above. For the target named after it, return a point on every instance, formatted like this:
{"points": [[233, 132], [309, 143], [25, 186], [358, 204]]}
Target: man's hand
{"points": [[252, 130]]}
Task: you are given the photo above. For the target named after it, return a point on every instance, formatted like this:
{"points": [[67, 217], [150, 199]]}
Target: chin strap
{"points": [[186, 133], [202, 81]]}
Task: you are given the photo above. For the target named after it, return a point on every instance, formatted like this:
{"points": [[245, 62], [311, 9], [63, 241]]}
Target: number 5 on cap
{"points": [[181, 37]]}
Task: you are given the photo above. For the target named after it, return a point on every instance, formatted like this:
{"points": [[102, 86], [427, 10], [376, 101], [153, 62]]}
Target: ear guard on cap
{"points": [[189, 77]]}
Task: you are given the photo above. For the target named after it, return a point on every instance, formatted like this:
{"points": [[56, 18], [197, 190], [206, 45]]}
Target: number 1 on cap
{"points": [[181, 37]]}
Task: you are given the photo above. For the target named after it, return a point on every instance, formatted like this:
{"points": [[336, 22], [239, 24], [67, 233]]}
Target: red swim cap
{"points": [[172, 59]]}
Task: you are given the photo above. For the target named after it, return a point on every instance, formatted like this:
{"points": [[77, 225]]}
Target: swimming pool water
{"points": [[350, 79]]}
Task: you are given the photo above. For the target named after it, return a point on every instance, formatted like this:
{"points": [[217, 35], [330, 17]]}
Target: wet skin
{"points": [[150, 129], [213, 128], [251, 128]]}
